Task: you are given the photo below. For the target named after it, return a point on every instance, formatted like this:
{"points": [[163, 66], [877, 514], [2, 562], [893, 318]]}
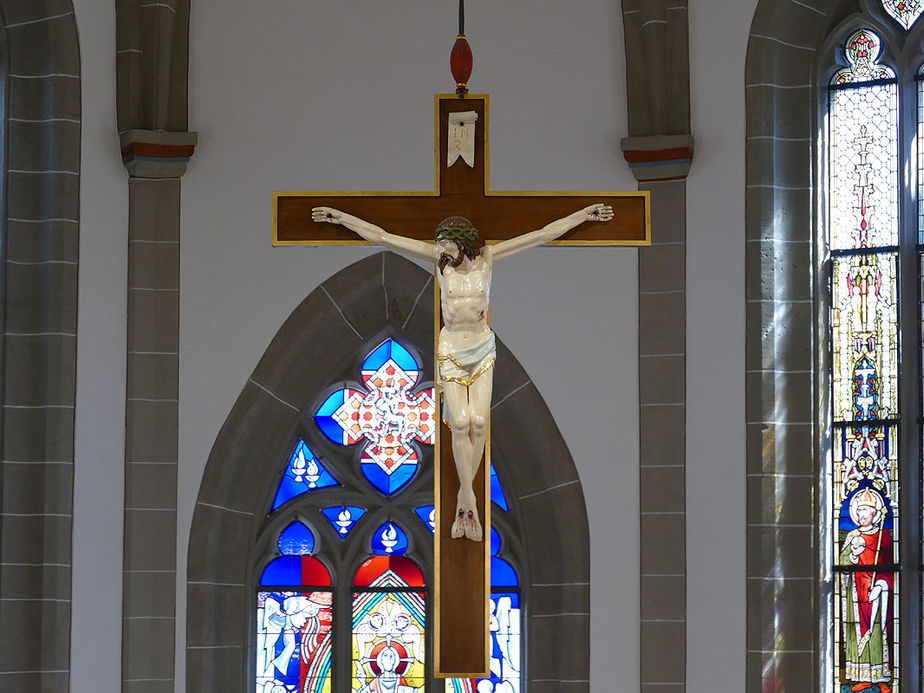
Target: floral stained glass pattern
{"points": [[905, 12], [304, 473], [388, 415]]}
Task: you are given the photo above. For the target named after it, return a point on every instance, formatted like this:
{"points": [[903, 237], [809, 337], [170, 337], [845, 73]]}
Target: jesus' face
{"points": [[449, 247]]}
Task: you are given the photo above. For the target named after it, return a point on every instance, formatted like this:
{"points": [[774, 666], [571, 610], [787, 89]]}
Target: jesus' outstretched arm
{"points": [[549, 232], [376, 234]]}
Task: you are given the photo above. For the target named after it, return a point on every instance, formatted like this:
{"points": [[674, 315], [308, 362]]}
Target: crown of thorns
{"points": [[457, 228]]}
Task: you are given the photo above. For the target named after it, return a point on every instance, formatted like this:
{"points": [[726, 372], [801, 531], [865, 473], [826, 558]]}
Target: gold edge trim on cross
{"points": [[437, 530]]}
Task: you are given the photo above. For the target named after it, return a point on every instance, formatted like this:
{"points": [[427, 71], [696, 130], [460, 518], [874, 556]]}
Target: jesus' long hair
{"points": [[466, 250]]}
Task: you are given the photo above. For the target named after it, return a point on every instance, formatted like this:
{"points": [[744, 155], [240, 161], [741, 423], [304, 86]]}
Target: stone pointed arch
{"points": [[381, 294], [39, 209]]}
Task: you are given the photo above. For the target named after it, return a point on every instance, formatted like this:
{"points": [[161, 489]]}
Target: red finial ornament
{"points": [[460, 60]]}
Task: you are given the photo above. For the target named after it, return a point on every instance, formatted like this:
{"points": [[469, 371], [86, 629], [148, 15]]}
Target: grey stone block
{"points": [[51, 145], [214, 670], [148, 595], [51, 240], [39, 636], [216, 613], [559, 599], [800, 22], [20, 11], [780, 396], [153, 320], [154, 265], [35, 489], [41, 298], [773, 448], [148, 686], [35, 435], [773, 550], [254, 438], [779, 270], [565, 646], [37, 99], [35, 582], [150, 540], [782, 112], [214, 530], [39, 681], [410, 291], [558, 521], [662, 380], [772, 160], [663, 597], [296, 366], [661, 489], [42, 196], [150, 486], [664, 688], [781, 499], [781, 611], [152, 376], [668, 211], [662, 435], [154, 208], [663, 544], [663, 651], [662, 323], [150, 431], [781, 671], [778, 336], [662, 268], [780, 213], [41, 371], [147, 648], [41, 539], [41, 48]]}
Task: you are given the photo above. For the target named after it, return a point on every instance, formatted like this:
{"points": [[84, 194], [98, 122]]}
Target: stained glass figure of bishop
{"points": [[465, 348]]}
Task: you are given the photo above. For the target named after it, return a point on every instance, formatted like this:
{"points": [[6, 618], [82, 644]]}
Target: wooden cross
{"points": [[462, 571]]}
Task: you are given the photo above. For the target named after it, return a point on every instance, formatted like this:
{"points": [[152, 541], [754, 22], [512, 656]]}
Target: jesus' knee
{"points": [[479, 423], [460, 422]]}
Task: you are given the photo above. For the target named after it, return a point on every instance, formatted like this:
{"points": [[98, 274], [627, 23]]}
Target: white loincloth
{"points": [[467, 365]]}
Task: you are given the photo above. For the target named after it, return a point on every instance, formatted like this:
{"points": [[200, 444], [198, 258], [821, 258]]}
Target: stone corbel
{"points": [[658, 158], [157, 153]]}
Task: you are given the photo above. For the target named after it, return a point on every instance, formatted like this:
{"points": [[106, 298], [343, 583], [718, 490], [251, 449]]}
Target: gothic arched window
{"points": [[342, 571], [872, 226]]}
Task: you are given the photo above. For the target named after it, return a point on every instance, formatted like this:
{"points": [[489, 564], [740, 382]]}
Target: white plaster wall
{"points": [[100, 417], [299, 96], [716, 608]]}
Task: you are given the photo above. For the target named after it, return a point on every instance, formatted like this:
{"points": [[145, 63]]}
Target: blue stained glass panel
{"points": [[303, 473], [296, 540], [296, 571], [502, 573], [427, 515], [343, 517], [389, 483], [389, 540], [497, 492], [390, 349], [495, 542]]}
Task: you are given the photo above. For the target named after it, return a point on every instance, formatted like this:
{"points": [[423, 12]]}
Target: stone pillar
{"points": [[659, 151], [40, 204], [152, 54]]}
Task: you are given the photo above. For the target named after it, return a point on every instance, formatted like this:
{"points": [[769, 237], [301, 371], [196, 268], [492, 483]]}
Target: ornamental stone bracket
{"points": [[157, 153], [658, 158]]}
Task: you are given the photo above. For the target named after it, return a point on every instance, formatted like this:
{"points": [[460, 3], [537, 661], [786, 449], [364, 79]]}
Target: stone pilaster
{"points": [[659, 151]]}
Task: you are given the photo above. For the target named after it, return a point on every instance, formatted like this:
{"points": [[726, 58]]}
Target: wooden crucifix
{"points": [[462, 572]]}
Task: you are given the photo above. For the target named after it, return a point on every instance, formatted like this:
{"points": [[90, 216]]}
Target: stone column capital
{"points": [[157, 153], [654, 158]]}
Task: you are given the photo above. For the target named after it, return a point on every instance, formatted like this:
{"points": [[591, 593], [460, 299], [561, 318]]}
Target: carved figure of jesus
{"points": [[465, 350]]}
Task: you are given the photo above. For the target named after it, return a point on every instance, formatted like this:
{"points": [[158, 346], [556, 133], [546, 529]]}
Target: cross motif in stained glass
{"points": [[905, 12], [862, 51], [389, 416]]}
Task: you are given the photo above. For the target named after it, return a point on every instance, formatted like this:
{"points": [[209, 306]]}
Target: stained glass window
{"points": [[387, 414], [304, 473], [863, 239], [340, 502], [905, 12]]}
